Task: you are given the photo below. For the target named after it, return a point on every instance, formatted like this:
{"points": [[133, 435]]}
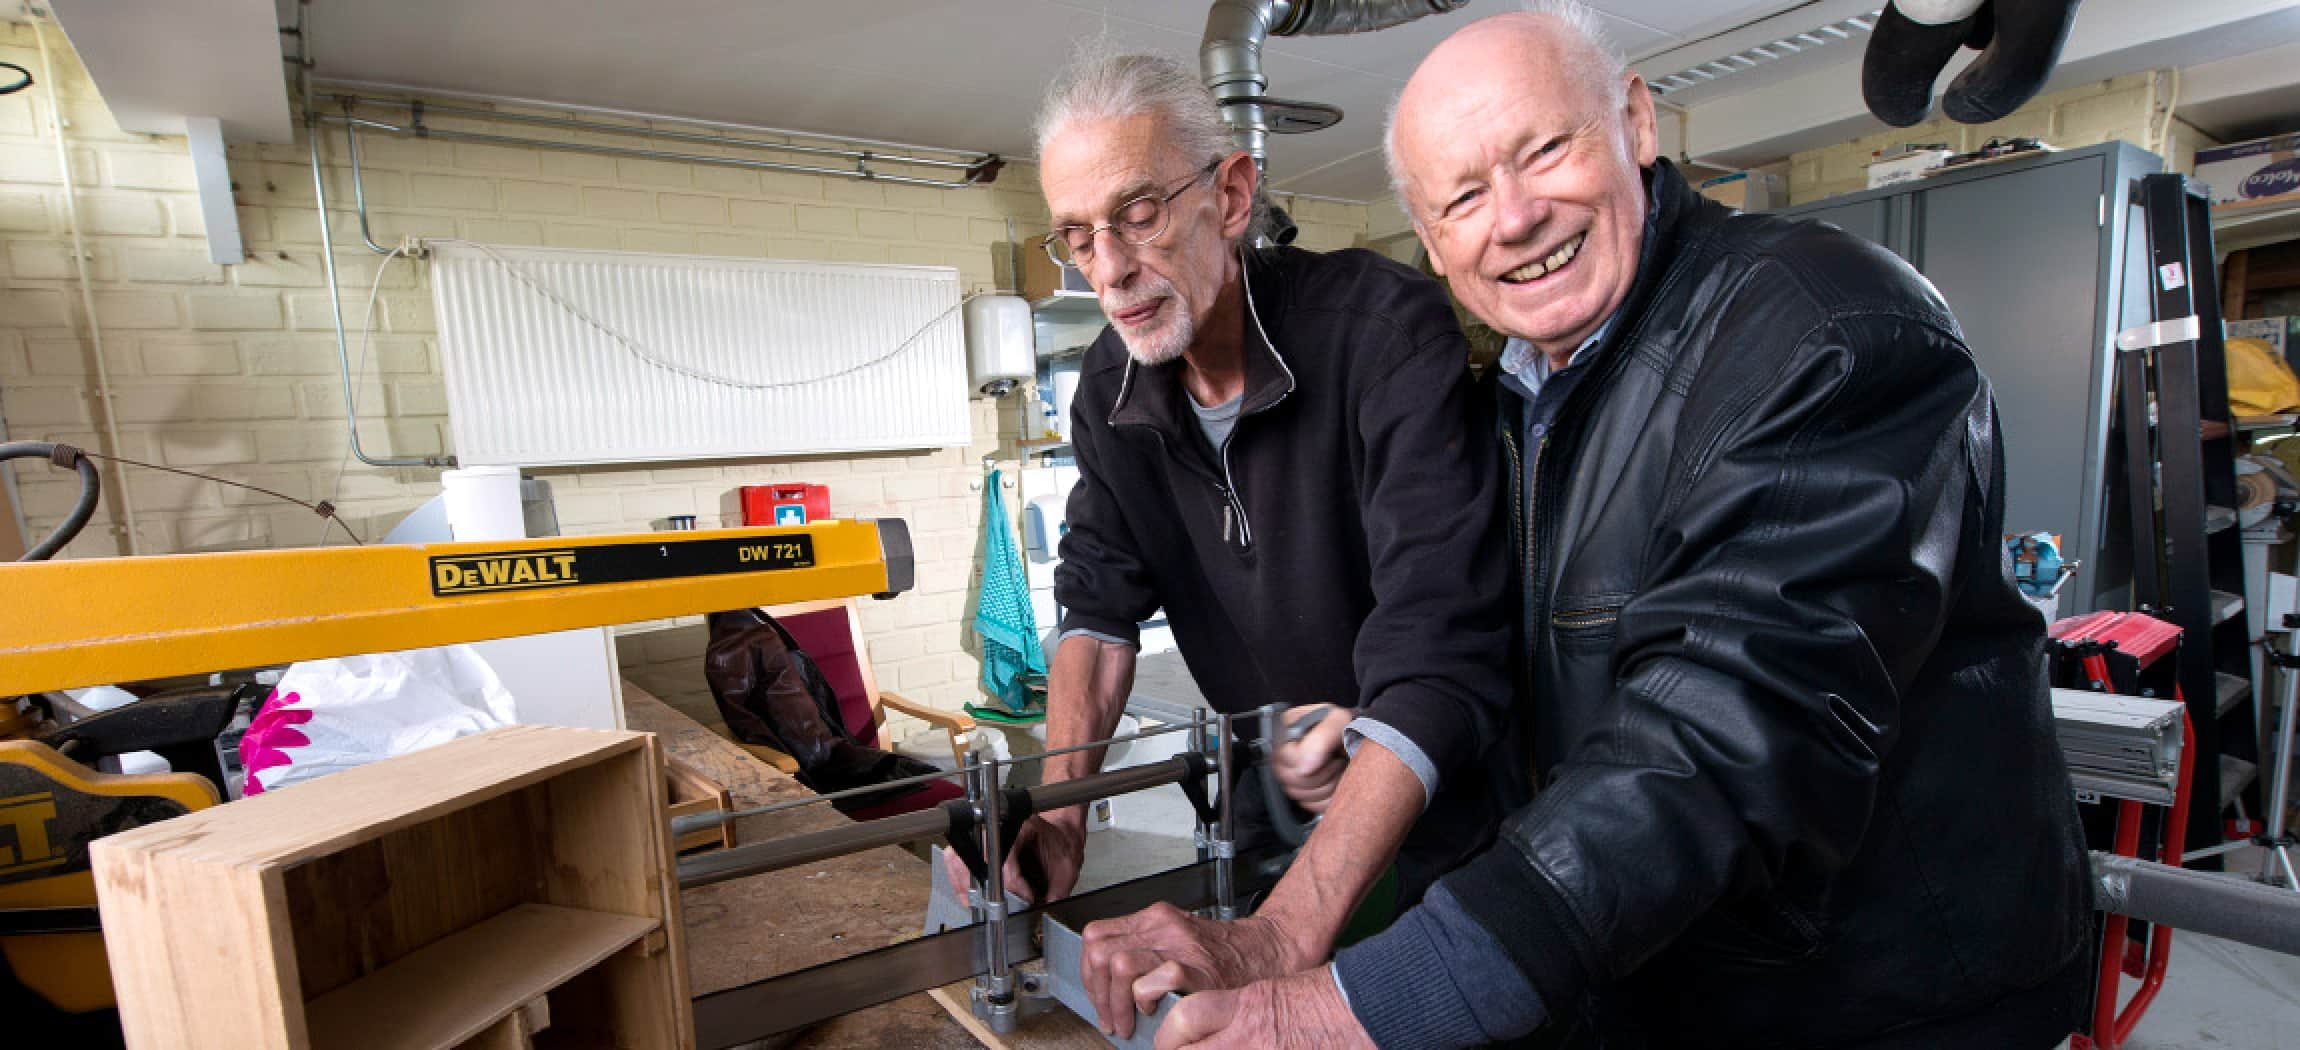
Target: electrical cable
{"points": [[24, 81], [643, 354], [358, 372], [322, 508]]}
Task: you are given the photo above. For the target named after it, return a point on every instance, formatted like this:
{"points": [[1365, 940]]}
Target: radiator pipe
{"points": [[335, 311], [1230, 55], [973, 161], [975, 177], [359, 186]]}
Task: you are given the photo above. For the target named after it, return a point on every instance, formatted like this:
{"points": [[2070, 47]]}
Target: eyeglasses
{"points": [[1136, 222]]}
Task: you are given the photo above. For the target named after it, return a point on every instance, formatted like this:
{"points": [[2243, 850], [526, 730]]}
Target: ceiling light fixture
{"points": [[1751, 58]]}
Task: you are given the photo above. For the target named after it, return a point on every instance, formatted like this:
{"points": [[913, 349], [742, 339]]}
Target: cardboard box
{"points": [[2270, 330], [1908, 167], [1747, 190], [2250, 171], [1041, 277]]}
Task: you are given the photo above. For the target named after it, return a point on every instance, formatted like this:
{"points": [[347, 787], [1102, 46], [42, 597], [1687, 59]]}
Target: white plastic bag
{"points": [[327, 715]]}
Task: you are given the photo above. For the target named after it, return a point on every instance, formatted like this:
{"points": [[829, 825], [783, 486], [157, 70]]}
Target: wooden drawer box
{"points": [[692, 793], [425, 901]]}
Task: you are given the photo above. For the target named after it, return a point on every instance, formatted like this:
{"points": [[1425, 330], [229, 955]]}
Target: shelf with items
{"points": [[1068, 307], [2250, 224]]}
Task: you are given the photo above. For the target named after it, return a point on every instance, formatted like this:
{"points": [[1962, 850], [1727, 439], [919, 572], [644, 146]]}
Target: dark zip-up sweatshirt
{"points": [[1347, 545]]}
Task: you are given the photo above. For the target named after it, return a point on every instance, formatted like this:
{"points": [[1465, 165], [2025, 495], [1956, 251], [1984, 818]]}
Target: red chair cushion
{"points": [[829, 640], [934, 793]]}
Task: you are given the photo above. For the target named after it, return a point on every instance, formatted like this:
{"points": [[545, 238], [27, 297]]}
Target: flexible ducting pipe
{"points": [[1230, 56], [91, 486]]}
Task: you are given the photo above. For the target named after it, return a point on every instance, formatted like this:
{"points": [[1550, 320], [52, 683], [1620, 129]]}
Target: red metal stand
{"points": [[2111, 1026]]}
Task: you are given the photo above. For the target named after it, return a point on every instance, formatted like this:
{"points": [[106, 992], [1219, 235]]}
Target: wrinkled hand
{"points": [[1041, 866], [1309, 768], [1131, 963], [1302, 1011]]}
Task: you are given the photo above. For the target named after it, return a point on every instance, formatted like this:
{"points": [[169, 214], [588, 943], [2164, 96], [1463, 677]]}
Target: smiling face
{"points": [[1522, 175], [1159, 295]]}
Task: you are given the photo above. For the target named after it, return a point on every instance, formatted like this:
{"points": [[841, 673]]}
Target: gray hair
{"points": [[1581, 40], [1100, 85]]}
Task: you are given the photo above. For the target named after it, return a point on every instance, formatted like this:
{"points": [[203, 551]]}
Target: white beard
{"points": [[1166, 342]]}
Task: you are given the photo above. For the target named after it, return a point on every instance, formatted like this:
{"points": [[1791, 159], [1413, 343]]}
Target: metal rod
{"points": [[762, 857], [998, 977], [776, 854], [2282, 752], [2232, 909], [662, 133], [1225, 832], [627, 151], [638, 114], [335, 312], [1078, 791], [702, 821]]}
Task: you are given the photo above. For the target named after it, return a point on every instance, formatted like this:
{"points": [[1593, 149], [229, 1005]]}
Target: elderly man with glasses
{"points": [[1271, 446]]}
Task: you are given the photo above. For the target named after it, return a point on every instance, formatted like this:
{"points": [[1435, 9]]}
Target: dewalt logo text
{"points": [[473, 573]]}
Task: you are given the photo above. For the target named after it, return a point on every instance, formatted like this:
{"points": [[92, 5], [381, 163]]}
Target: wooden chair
{"points": [[830, 632]]}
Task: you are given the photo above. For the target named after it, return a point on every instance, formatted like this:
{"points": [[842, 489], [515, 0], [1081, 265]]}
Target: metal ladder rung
{"points": [[2235, 775], [2226, 607], [2228, 691]]}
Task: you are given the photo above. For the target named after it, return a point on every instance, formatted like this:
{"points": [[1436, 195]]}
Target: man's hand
{"points": [[1310, 768], [1131, 963], [1303, 1011], [1042, 865]]}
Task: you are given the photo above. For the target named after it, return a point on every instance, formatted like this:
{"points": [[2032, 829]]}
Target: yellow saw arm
{"points": [[65, 624]]}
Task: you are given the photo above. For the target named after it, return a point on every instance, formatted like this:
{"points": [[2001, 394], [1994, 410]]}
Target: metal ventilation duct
{"points": [[1230, 57]]}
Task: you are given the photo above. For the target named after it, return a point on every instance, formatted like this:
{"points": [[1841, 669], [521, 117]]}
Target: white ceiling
{"points": [[954, 73], [967, 74]]}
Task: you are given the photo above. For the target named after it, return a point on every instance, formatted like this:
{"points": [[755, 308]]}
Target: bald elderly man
{"points": [[1798, 781]]}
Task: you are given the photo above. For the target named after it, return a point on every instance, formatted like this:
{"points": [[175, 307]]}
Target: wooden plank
{"points": [[512, 1033], [347, 922], [456, 988], [323, 816], [1053, 1028], [753, 928], [750, 929], [610, 849], [209, 983], [2233, 274], [693, 793]]}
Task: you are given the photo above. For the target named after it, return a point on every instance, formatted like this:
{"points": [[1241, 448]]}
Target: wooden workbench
{"points": [[749, 929]]}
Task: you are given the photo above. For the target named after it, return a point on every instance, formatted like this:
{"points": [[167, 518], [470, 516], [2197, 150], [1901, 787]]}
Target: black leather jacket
{"points": [[1798, 780]]}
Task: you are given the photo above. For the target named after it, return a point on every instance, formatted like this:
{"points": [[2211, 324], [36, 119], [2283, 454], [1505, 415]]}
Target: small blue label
{"points": [[790, 514]]}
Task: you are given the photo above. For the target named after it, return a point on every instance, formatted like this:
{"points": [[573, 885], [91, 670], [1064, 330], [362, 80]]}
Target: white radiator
{"points": [[567, 357]]}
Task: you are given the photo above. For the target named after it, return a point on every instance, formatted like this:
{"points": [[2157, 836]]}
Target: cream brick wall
{"points": [[2131, 108], [231, 370]]}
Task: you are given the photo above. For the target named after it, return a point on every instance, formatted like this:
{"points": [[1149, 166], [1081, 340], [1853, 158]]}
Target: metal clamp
{"points": [[2160, 333]]}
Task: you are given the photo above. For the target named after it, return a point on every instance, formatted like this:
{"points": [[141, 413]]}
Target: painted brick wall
{"points": [[231, 370], [2132, 108]]}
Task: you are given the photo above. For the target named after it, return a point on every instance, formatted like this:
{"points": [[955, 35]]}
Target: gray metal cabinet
{"points": [[2032, 256]]}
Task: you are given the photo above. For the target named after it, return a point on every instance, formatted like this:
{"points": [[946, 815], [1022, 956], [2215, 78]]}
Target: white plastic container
{"points": [[999, 352], [483, 504]]}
